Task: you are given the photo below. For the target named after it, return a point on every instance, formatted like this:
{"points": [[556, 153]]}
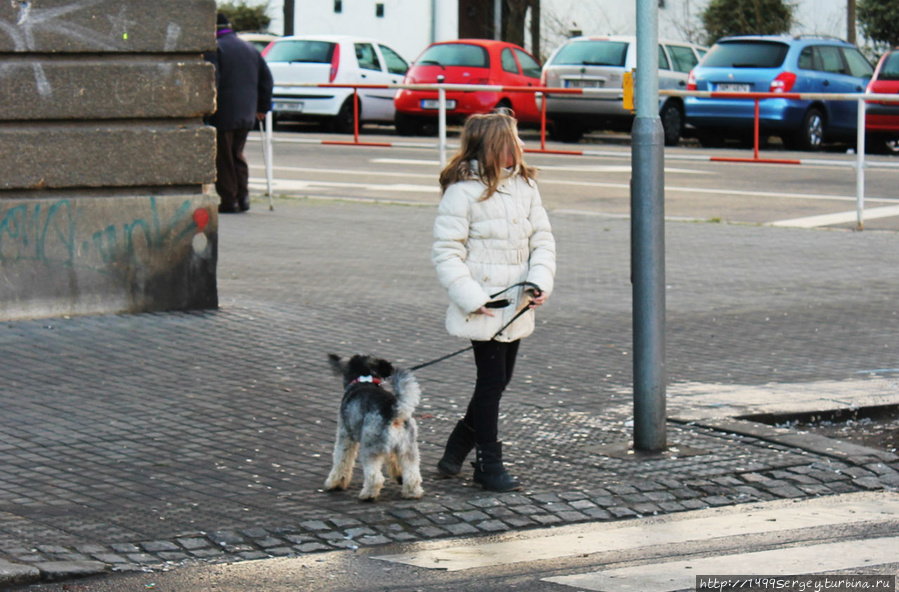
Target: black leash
{"points": [[492, 304]]}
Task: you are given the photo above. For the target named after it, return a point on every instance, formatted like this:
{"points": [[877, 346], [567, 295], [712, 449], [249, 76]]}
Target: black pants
{"points": [[232, 173], [495, 361]]}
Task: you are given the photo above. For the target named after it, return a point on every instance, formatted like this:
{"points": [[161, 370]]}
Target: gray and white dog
{"points": [[376, 424]]}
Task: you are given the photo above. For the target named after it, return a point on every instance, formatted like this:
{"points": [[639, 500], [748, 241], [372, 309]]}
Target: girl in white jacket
{"points": [[491, 233]]}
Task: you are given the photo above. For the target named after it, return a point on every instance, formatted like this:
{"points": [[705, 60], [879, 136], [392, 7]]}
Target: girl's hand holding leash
{"points": [[537, 300], [536, 296]]}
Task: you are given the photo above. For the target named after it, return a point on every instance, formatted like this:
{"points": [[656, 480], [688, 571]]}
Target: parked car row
{"points": [[778, 64]]}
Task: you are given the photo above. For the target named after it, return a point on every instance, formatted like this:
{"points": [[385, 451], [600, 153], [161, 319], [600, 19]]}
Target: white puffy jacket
{"points": [[482, 247]]}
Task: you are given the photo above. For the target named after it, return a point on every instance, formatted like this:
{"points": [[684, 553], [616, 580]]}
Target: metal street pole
{"points": [[648, 239]]}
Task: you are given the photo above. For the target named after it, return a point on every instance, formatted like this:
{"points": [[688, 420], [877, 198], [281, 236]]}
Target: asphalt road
{"points": [[821, 192]]}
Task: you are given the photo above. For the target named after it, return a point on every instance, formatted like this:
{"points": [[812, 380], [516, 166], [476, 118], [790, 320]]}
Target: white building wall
{"points": [[408, 26], [411, 25]]}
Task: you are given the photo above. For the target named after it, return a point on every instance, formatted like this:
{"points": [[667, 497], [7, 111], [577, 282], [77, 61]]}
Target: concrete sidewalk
{"points": [[147, 441]]}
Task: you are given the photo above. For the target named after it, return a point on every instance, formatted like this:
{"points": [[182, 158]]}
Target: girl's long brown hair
{"points": [[485, 139]]}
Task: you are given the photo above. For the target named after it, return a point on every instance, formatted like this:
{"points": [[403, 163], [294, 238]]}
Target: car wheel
{"points": [[810, 136], [709, 139], [672, 118], [566, 131], [407, 126], [344, 122]]}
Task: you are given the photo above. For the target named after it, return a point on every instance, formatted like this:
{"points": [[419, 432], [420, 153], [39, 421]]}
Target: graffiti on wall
{"points": [[30, 20], [52, 234]]}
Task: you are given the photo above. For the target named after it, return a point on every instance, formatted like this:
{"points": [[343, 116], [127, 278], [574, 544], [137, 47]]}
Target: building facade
{"points": [[411, 25]]}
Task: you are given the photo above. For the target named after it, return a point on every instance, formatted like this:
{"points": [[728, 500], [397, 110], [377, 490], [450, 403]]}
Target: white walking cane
{"points": [[266, 126]]}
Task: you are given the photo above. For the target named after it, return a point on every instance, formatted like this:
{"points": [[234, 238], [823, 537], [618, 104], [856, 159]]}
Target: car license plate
{"points": [[584, 84], [733, 88], [435, 104], [296, 106]]}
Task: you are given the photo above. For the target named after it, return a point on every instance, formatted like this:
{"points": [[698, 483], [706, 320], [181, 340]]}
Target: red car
{"points": [[882, 118], [467, 61]]}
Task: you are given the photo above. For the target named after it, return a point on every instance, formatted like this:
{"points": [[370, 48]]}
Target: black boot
{"points": [[459, 444], [489, 471]]}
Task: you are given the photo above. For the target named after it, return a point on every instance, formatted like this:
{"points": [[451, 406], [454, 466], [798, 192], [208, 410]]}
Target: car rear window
{"points": [[591, 52], [316, 52], [890, 68], [746, 54], [455, 54]]}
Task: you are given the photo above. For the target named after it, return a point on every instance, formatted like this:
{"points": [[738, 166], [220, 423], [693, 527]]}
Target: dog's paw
{"points": [[335, 485], [414, 494], [367, 498]]}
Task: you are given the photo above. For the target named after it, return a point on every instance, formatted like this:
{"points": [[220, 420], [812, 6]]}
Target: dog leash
{"points": [[492, 304]]}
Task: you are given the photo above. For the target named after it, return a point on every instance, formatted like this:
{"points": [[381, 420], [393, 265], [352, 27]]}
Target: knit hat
{"points": [[222, 22]]}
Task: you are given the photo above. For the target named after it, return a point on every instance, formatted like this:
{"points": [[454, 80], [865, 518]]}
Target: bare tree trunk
{"points": [[514, 14], [850, 21], [288, 17]]}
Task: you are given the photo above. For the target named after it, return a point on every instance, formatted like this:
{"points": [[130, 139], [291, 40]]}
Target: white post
{"points": [[267, 147], [441, 125], [860, 166]]}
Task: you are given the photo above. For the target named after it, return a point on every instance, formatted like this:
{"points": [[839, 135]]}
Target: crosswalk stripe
{"points": [[838, 218], [703, 525], [681, 575], [299, 185]]}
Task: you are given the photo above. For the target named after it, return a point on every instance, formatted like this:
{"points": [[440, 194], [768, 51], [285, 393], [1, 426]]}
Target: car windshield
{"points": [[890, 68], [592, 53], [455, 54], [315, 52], [746, 54]]}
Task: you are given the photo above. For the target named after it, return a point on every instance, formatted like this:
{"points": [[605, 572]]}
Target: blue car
{"points": [[779, 64]]}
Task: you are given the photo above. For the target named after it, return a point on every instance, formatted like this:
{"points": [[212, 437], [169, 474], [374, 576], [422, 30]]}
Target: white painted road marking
{"points": [[704, 525], [681, 575], [294, 185], [838, 218], [586, 168]]}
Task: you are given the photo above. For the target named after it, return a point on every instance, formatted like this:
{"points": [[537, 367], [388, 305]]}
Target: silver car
{"points": [[600, 62]]}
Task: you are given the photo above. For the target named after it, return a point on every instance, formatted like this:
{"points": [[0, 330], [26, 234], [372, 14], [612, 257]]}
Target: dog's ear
{"points": [[337, 365], [384, 368]]}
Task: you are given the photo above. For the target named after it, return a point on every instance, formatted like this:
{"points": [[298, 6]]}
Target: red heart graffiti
{"points": [[201, 218]]}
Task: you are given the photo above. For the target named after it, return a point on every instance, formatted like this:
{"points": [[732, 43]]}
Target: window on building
{"points": [[338, 6], [379, 10]]}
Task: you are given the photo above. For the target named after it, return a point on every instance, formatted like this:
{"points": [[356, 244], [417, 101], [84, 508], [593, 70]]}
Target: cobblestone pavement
{"points": [[146, 441]]}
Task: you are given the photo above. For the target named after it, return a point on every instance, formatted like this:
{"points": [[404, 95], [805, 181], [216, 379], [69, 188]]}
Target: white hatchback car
{"points": [[335, 59], [600, 62]]}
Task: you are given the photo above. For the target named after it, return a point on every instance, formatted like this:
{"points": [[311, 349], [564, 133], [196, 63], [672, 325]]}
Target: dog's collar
{"points": [[371, 379]]}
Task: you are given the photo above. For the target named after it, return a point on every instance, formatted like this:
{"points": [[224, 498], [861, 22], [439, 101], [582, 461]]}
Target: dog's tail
{"points": [[408, 393]]}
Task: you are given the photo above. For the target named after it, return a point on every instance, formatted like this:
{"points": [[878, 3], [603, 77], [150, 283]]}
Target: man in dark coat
{"points": [[243, 85]]}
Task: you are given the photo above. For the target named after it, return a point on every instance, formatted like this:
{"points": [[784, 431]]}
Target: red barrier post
{"points": [[355, 141], [356, 114], [756, 141], [543, 122]]}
